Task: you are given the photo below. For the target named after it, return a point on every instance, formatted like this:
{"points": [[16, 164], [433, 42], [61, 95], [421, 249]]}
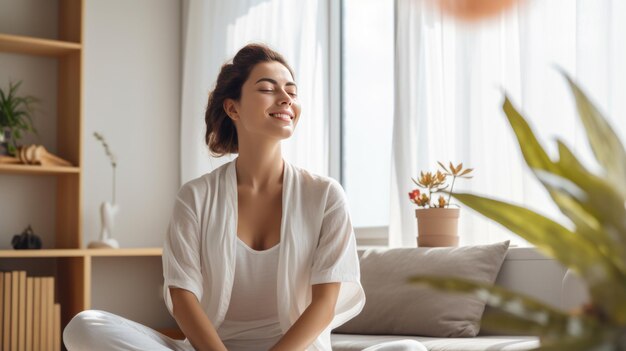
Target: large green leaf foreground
{"points": [[594, 245]]}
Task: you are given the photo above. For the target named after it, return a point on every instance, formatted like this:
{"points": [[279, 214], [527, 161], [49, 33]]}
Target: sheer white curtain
{"points": [[215, 30], [450, 79]]}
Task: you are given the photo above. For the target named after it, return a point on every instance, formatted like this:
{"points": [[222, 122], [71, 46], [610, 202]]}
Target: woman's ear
{"points": [[230, 107]]}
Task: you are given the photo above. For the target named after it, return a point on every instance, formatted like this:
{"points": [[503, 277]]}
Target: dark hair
{"points": [[221, 134]]}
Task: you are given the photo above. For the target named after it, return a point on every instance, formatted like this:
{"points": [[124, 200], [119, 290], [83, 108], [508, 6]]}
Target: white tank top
{"points": [[251, 322]]}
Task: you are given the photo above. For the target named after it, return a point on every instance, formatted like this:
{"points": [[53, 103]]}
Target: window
{"points": [[367, 104]]}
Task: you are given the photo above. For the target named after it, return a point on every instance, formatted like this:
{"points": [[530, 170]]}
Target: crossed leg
{"points": [[95, 330]]}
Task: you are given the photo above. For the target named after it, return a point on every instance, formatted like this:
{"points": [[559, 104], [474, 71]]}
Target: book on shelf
{"points": [[57, 327], [6, 332], [44, 314], [30, 289], [30, 320], [21, 330], [15, 294], [1, 307], [37, 314], [50, 312]]}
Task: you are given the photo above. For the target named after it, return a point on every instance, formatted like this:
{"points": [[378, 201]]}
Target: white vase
{"points": [[107, 219]]}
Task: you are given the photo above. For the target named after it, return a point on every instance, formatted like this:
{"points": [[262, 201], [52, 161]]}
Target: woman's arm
{"points": [[313, 320], [194, 322]]}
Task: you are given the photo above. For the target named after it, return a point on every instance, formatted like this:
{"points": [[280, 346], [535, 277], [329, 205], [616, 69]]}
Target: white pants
{"points": [[103, 331], [99, 330]]}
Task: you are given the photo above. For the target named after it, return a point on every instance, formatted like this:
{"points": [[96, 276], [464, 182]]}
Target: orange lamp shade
{"points": [[474, 9]]}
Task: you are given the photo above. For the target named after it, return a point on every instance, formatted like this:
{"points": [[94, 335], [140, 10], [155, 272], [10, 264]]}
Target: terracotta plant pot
{"points": [[437, 226]]}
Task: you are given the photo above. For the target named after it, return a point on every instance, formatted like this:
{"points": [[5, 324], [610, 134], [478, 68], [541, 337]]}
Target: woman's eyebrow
{"points": [[274, 82]]}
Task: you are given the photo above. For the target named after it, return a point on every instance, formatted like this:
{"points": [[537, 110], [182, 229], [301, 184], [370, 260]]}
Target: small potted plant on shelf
{"points": [[15, 118], [437, 223]]}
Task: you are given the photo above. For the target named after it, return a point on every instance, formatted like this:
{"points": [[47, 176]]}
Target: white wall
{"points": [[132, 85], [132, 80]]}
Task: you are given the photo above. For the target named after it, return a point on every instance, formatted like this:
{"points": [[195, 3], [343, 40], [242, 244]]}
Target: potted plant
{"points": [[592, 244], [15, 118], [437, 223]]}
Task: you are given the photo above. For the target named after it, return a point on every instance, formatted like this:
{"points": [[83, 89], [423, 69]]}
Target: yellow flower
{"points": [[442, 202], [436, 182], [457, 171]]}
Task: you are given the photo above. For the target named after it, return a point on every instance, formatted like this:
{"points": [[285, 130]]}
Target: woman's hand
{"points": [[194, 322], [313, 321]]}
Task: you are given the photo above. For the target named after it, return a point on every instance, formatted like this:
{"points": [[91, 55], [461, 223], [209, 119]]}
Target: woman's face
{"points": [[268, 104]]}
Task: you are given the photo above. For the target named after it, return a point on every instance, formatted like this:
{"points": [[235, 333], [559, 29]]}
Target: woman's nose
{"points": [[285, 99]]}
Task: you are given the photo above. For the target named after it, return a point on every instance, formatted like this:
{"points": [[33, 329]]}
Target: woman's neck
{"points": [[259, 171]]}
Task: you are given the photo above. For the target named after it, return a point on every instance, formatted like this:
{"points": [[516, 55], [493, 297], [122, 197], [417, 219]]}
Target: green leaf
{"points": [[606, 283], [16, 111], [532, 151], [593, 193], [600, 198], [604, 142], [583, 215], [510, 324], [539, 230], [588, 227]]}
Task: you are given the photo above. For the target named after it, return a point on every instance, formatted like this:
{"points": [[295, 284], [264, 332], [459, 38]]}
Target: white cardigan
{"points": [[317, 246]]}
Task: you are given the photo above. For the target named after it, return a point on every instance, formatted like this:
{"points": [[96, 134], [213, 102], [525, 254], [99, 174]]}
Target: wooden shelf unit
{"points": [[36, 46], [73, 269], [58, 253], [73, 262], [37, 170]]}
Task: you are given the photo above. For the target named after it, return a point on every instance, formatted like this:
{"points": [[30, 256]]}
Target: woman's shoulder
{"points": [[319, 183], [203, 183]]}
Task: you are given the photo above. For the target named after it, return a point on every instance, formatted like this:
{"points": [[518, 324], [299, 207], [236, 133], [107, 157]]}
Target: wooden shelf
{"points": [[35, 169], [54, 253], [36, 46], [151, 251]]}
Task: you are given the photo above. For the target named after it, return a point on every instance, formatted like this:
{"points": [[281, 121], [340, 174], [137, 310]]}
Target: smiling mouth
{"points": [[281, 116]]}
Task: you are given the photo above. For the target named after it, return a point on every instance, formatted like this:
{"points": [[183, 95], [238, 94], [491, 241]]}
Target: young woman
{"points": [[260, 254]]}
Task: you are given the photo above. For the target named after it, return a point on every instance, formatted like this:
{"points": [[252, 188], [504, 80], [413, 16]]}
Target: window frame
{"points": [[365, 236]]}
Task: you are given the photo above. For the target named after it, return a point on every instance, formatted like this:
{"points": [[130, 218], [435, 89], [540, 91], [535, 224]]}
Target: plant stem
{"points": [[113, 186], [451, 188], [430, 197]]}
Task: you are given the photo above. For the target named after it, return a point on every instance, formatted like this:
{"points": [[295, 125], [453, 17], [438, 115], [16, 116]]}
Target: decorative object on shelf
{"points": [[38, 155], [592, 243], [15, 118], [28, 240], [437, 224], [471, 10], [108, 210]]}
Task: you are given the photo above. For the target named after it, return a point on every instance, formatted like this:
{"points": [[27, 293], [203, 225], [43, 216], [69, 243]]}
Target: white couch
{"points": [[524, 270]]}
